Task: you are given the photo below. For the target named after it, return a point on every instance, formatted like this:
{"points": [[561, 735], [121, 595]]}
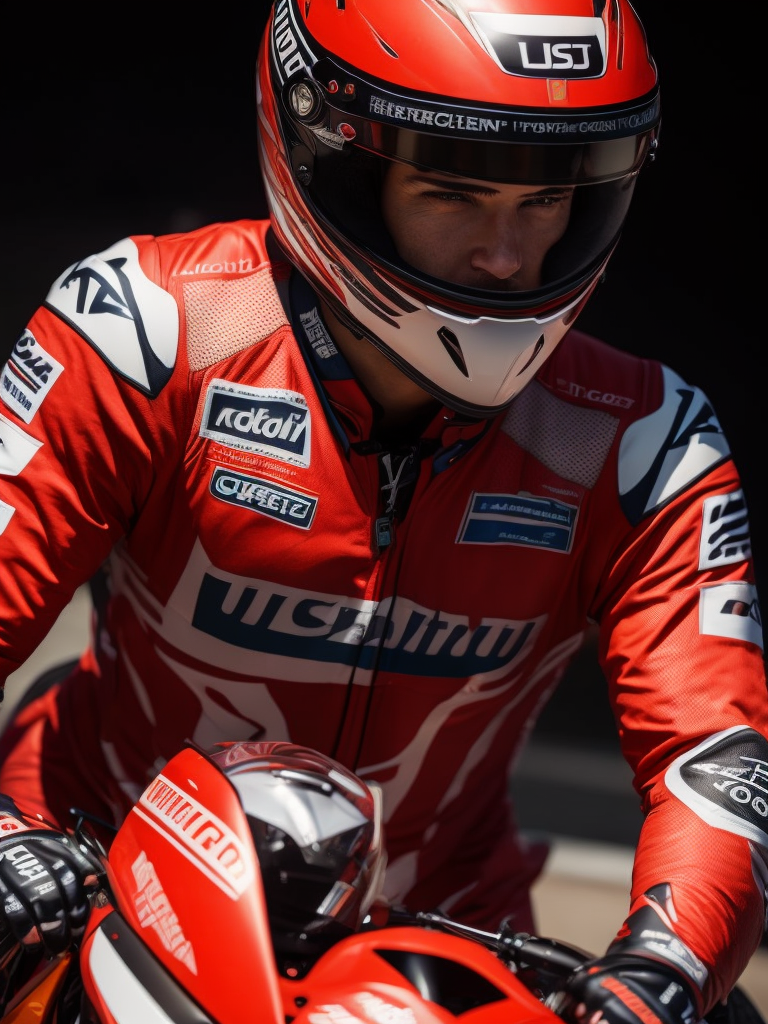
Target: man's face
{"points": [[474, 233]]}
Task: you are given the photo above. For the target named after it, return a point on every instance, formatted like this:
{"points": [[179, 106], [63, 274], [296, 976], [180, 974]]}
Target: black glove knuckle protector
{"points": [[42, 889]]}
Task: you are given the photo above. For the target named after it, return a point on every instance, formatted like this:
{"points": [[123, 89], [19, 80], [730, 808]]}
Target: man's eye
{"points": [[448, 197], [548, 200]]}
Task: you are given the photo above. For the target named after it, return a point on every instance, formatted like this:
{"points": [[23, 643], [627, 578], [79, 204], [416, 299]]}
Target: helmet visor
{"points": [[346, 192], [345, 137]]}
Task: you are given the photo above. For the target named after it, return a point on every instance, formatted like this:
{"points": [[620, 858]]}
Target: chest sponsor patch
{"points": [[724, 531], [28, 376], [16, 448], [264, 496], [731, 610], [518, 519], [270, 421], [393, 635]]}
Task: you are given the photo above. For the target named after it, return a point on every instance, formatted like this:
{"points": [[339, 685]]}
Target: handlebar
{"points": [[548, 959]]}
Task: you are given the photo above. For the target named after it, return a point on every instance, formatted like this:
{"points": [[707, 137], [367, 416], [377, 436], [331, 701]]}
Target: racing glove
{"points": [[44, 880], [648, 975], [627, 990]]}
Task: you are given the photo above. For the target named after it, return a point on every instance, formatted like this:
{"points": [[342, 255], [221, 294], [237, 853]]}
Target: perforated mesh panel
{"points": [[572, 442], [227, 316]]}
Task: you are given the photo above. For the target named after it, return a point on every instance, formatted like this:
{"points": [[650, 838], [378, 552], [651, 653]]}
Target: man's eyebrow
{"points": [[451, 185]]}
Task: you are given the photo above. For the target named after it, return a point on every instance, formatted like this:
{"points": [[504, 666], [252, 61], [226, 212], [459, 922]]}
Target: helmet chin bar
{"points": [[493, 360]]}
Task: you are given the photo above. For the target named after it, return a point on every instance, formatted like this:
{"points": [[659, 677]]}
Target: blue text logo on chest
{"points": [[518, 519], [270, 499], [270, 421]]}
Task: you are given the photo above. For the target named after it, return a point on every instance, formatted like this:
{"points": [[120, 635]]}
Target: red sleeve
{"points": [[83, 437], [681, 646]]}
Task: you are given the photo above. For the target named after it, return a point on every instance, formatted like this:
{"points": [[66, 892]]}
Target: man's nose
{"points": [[497, 250]]}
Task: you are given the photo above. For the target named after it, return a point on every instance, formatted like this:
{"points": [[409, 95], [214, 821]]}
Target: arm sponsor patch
{"points": [[724, 531], [28, 376], [731, 610], [6, 511], [724, 780], [16, 448]]}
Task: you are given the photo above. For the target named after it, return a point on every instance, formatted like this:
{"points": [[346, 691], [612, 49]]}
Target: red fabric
{"points": [[225, 622]]}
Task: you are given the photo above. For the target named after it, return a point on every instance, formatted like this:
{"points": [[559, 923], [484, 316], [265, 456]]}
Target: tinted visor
{"points": [[514, 162], [341, 146], [345, 194]]}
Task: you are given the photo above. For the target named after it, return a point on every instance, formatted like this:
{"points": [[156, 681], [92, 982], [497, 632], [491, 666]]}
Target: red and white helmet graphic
{"points": [[531, 92]]}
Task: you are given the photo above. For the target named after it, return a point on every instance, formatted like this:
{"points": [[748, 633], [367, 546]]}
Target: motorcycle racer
{"points": [[351, 477]]}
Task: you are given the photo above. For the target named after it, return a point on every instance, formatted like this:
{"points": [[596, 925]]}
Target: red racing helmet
{"points": [[530, 92]]}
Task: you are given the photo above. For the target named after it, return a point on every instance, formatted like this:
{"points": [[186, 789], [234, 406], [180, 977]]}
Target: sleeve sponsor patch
{"points": [[724, 531], [724, 780], [731, 610], [16, 448], [28, 376]]}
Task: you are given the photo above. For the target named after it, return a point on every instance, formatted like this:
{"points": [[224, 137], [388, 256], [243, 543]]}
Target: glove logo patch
{"points": [[25, 863]]}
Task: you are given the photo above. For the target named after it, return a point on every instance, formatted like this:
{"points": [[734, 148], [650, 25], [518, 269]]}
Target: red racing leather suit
{"points": [[177, 417]]}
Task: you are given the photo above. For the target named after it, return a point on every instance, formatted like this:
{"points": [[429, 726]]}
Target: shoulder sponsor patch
{"points": [[664, 453], [270, 421], [724, 531], [518, 519], [731, 610], [131, 321], [724, 780], [16, 448], [264, 496], [28, 376]]}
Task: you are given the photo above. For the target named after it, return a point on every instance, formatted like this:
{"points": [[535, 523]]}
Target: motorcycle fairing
{"points": [[435, 976], [126, 983], [188, 834]]}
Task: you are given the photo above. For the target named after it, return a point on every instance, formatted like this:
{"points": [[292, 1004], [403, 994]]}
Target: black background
{"points": [[133, 126]]}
